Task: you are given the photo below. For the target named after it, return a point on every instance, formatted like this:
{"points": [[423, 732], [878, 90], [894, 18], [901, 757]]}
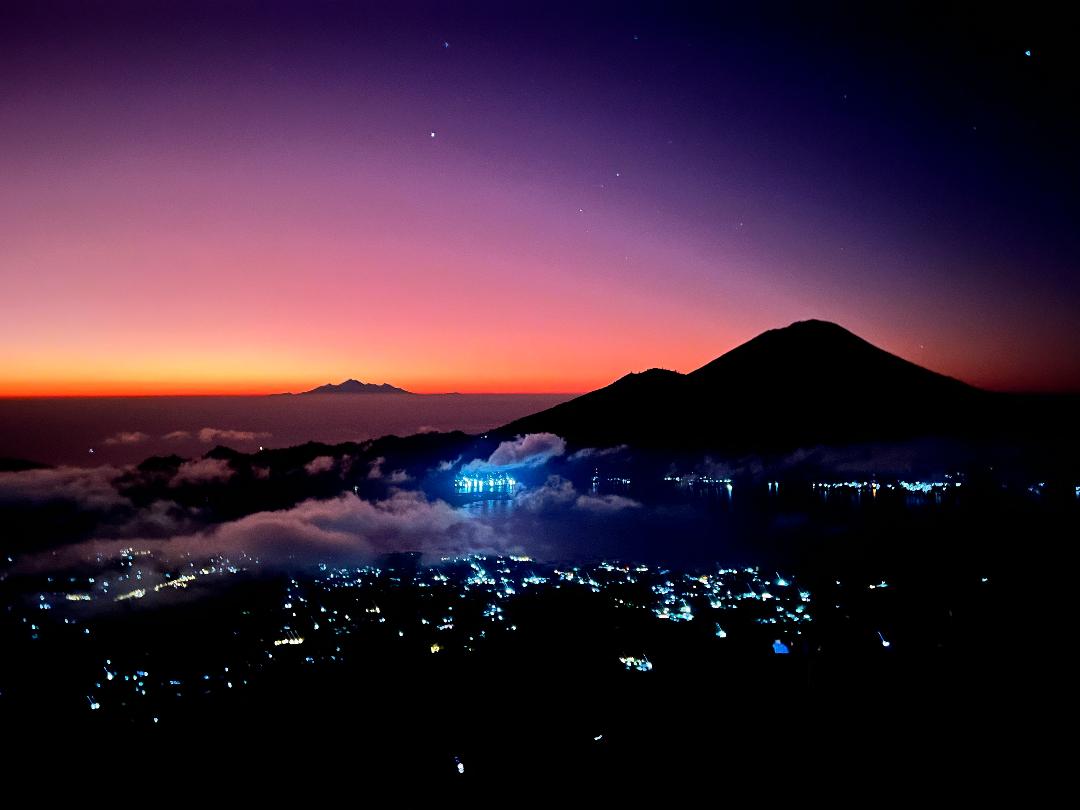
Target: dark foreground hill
{"points": [[811, 383]]}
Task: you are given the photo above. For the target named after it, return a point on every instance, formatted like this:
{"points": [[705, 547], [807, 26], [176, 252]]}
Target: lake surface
{"points": [[125, 430]]}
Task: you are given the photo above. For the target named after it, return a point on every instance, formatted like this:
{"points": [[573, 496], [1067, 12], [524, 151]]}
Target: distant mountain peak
{"points": [[811, 354], [812, 327], [814, 323], [810, 330], [352, 386]]}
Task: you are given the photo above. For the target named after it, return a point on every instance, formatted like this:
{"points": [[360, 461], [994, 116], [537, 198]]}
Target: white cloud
{"points": [[376, 473], [208, 435], [594, 452], [530, 450], [605, 504], [446, 466], [345, 527], [406, 521], [127, 437], [320, 464], [90, 487], [202, 471], [557, 492]]}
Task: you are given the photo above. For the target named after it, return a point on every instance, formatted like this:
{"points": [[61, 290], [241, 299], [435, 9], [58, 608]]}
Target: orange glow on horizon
{"points": [[556, 367], [124, 389], [218, 215]]}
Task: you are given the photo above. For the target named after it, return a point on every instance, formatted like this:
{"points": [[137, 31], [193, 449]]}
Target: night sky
{"points": [[256, 197]]}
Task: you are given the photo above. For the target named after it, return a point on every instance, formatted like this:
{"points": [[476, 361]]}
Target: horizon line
{"points": [[258, 394], [293, 394]]}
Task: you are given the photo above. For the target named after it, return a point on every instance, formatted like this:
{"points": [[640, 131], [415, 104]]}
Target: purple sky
{"points": [[247, 197]]}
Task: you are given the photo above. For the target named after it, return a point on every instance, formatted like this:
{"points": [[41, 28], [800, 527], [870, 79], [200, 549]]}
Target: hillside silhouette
{"points": [[810, 383]]}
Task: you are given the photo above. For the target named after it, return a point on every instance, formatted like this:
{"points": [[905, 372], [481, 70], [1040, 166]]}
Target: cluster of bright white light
{"points": [[491, 483], [288, 641], [857, 485], [694, 480], [922, 487], [180, 582], [633, 663]]}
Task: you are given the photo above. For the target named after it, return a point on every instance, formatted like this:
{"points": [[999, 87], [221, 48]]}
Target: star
{"points": [[446, 44], [432, 133], [1027, 53]]}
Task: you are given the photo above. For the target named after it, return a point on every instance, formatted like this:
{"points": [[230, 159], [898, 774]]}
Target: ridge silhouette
{"points": [[352, 386], [812, 382]]}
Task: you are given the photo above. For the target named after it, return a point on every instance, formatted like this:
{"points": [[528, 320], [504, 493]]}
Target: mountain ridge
{"points": [[351, 386], [812, 382]]}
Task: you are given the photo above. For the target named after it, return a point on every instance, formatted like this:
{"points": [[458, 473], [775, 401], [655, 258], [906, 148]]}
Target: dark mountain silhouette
{"points": [[19, 465], [356, 387], [810, 383]]}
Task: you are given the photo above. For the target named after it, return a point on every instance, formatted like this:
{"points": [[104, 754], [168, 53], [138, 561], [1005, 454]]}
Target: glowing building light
{"points": [[632, 663]]}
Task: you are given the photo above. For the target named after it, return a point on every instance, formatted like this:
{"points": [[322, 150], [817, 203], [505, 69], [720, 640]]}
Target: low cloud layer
{"points": [[89, 487], [320, 464], [55, 506], [346, 528], [596, 453], [530, 450], [446, 466], [127, 437], [376, 473], [203, 471], [558, 492], [209, 435]]}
